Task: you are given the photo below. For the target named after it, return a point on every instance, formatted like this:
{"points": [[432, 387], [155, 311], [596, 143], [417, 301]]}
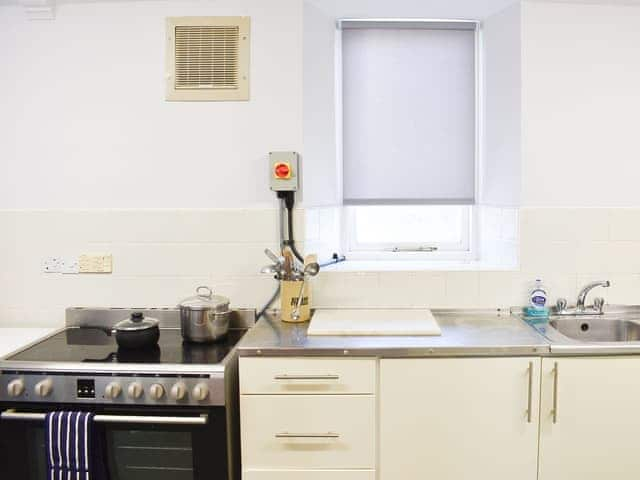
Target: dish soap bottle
{"points": [[537, 301]]}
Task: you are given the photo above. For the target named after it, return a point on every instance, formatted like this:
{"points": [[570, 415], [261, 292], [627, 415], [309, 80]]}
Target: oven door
{"points": [[140, 443]]}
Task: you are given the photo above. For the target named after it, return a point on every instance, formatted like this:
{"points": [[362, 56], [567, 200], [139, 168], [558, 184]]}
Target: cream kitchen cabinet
{"points": [[589, 420], [459, 418], [310, 475], [308, 418]]}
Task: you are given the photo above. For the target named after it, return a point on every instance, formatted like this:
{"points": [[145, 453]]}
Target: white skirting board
{"points": [[373, 322]]}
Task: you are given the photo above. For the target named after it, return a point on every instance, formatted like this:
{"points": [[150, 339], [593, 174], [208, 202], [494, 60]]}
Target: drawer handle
{"points": [[306, 377], [307, 435]]}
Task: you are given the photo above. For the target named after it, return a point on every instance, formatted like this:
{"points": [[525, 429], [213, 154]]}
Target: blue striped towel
{"points": [[74, 448]]}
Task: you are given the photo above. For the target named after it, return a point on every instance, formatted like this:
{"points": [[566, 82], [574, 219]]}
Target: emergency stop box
{"points": [[283, 171]]}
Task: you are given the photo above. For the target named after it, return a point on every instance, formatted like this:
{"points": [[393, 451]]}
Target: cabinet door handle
{"points": [[530, 394], [306, 377], [554, 412], [307, 435]]}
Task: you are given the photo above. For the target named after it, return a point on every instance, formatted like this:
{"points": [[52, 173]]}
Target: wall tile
{"points": [[549, 256], [594, 257], [565, 224], [509, 226], [333, 289], [625, 224], [501, 289], [463, 290], [414, 289], [624, 257]]}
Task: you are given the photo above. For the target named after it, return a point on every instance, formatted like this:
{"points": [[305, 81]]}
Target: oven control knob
{"points": [[135, 390], [44, 387], [156, 391], [200, 392], [179, 391], [113, 390], [15, 387]]}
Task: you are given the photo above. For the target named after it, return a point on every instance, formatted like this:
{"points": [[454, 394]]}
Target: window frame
{"points": [[467, 249]]}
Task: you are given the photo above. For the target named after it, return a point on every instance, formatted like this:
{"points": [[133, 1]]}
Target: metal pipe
{"points": [[335, 259], [147, 420], [281, 222]]}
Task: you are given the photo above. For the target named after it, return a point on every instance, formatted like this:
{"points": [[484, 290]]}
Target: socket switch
{"points": [[96, 264]]}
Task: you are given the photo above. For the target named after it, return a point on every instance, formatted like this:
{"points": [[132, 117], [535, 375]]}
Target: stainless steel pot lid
{"points": [[136, 322], [206, 300]]}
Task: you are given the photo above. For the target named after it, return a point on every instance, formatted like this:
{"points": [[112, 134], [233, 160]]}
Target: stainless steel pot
{"points": [[204, 317]]}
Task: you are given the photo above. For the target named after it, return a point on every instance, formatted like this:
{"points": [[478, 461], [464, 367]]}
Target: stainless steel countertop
{"points": [[464, 333]]}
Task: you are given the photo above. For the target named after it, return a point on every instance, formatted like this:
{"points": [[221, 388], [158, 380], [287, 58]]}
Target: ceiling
{"points": [[471, 9]]}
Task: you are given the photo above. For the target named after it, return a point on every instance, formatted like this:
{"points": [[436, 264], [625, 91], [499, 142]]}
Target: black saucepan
{"points": [[137, 331]]}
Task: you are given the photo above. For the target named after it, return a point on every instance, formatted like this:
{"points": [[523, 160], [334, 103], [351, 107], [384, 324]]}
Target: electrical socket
{"points": [[52, 265], [70, 266]]}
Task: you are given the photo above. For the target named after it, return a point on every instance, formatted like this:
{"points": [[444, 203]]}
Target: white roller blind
{"points": [[409, 113]]}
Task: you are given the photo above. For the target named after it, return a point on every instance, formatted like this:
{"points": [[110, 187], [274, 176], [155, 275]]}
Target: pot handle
{"points": [[206, 289], [107, 330]]}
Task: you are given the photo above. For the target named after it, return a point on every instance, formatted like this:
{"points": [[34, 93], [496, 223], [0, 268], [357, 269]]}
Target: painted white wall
{"points": [[84, 123], [502, 85], [321, 170], [581, 99], [83, 141]]}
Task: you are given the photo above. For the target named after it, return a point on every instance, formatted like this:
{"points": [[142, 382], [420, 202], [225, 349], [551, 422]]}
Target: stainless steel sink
{"points": [[590, 329]]}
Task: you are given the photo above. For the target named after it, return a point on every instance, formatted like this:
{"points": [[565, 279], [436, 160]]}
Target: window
{"points": [[409, 135]]}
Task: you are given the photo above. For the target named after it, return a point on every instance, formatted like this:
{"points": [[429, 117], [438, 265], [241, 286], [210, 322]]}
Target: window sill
{"points": [[418, 265]]}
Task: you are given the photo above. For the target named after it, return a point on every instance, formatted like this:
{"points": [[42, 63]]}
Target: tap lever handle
{"points": [[598, 303], [561, 304]]}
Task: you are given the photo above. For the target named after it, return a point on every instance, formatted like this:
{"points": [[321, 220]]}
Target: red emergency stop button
{"points": [[282, 170]]}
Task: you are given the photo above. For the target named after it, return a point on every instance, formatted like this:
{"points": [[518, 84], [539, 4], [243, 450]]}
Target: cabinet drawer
{"points": [[307, 376], [308, 432], [309, 475]]}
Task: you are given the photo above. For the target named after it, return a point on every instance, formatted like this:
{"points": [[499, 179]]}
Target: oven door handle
{"points": [[146, 420]]}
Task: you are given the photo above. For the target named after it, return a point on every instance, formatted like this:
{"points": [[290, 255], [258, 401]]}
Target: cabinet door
{"points": [[458, 419], [593, 433]]}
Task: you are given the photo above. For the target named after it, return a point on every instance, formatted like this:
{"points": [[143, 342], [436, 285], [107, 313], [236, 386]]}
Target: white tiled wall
{"points": [[161, 256], [565, 247]]}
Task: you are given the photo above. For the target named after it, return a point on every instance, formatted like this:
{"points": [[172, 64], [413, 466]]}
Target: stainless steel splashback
{"points": [[169, 317]]}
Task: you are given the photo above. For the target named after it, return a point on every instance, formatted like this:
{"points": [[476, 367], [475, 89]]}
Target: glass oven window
{"points": [[36, 456], [150, 455]]}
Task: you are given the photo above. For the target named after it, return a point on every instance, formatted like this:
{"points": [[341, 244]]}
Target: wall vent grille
{"points": [[208, 58]]}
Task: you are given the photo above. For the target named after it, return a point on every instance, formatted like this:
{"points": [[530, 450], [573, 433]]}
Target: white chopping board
{"points": [[373, 322]]}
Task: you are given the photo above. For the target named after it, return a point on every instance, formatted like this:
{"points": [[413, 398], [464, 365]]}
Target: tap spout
{"points": [[582, 296]]}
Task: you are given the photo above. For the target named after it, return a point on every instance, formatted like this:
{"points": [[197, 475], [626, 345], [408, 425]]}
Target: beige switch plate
{"points": [[96, 263]]}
